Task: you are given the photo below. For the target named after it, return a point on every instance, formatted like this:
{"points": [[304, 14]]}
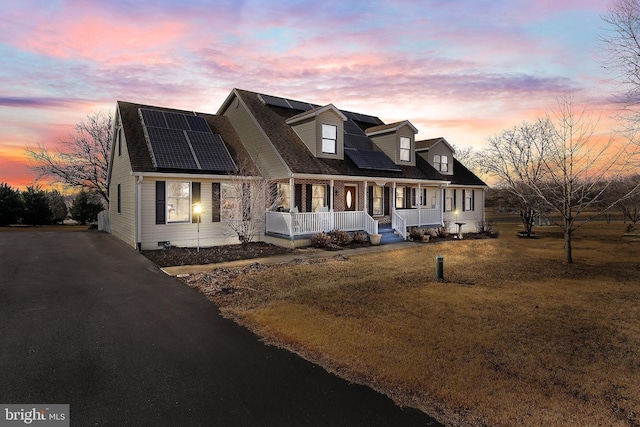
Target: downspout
{"points": [[139, 213], [419, 205]]}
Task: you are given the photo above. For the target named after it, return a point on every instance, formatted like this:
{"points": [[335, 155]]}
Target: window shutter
{"points": [[161, 211], [327, 196], [119, 203], [464, 200], [454, 201], [308, 197], [444, 200], [195, 198], [370, 200], [385, 202], [215, 202], [473, 200], [407, 202], [298, 197]]}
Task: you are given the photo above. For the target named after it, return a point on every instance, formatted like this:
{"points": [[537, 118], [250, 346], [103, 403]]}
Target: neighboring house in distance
{"points": [[326, 169], [164, 162]]}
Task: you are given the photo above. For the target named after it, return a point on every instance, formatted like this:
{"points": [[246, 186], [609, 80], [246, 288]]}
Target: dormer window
{"points": [[329, 139], [405, 149], [441, 163]]}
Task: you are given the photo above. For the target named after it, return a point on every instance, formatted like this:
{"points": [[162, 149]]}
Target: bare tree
{"points": [[83, 159], [515, 158], [245, 200]]}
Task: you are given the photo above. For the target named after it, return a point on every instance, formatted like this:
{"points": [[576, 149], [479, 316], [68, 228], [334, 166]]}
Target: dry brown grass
{"points": [[515, 337]]}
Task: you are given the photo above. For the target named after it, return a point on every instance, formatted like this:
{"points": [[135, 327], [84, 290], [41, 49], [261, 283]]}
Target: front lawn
{"points": [[514, 337]]}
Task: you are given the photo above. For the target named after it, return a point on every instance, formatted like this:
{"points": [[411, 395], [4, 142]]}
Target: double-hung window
{"points": [[405, 149], [318, 197], [178, 201], [378, 200], [284, 195], [329, 139], [441, 163], [468, 200], [400, 198]]}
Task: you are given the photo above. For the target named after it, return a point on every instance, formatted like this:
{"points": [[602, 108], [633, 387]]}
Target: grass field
{"points": [[514, 337]]}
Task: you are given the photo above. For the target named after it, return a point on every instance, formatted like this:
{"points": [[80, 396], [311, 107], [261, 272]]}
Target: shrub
{"points": [[360, 237], [486, 227], [340, 237], [320, 240], [416, 234]]}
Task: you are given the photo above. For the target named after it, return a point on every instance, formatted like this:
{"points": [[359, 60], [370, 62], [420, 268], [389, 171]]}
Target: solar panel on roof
{"points": [[297, 105], [153, 118], [275, 101], [375, 160], [198, 124], [358, 142], [351, 128], [170, 149], [211, 152], [176, 121]]}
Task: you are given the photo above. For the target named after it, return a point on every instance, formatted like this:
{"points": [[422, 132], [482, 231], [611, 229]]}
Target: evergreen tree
{"points": [[85, 207], [36, 207], [11, 205]]}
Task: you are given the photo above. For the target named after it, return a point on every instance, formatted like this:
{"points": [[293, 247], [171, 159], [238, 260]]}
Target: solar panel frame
{"points": [[275, 101], [176, 121], [153, 118], [211, 152], [298, 105], [170, 149], [198, 124]]}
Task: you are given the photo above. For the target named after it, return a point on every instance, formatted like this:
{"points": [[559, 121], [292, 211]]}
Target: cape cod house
{"points": [[327, 169]]}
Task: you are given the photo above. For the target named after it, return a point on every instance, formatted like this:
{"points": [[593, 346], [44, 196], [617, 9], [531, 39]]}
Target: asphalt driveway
{"points": [[87, 321]]}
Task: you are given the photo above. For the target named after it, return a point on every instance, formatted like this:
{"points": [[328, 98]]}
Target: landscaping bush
{"points": [[340, 237], [487, 228], [416, 234], [320, 240], [360, 237]]}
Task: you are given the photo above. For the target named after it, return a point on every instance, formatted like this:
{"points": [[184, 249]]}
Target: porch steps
{"points": [[388, 235]]}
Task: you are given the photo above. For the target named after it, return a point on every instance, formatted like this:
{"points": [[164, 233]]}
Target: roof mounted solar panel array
{"points": [[184, 141], [375, 160], [363, 118]]}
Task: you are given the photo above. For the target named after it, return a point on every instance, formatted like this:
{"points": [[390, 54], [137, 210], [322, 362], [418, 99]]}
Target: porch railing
{"points": [[297, 224], [399, 224], [421, 217]]}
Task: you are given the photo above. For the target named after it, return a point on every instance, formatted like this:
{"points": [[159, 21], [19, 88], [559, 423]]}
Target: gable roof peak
{"points": [[391, 127], [315, 112]]}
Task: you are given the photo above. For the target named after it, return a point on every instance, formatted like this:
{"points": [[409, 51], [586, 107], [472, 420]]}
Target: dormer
{"points": [[322, 131], [396, 140], [438, 153]]}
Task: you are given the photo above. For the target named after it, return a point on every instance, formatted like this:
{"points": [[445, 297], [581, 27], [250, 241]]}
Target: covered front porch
{"points": [[309, 206]]}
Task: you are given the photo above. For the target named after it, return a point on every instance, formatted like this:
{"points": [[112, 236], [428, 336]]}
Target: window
{"points": [[119, 199], [419, 197], [405, 149], [378, 200], [450, 200], [178, 201], [318, 197], [399, 197], [329, 139], [441, 163], [468, 200], [284, 196], [230, 201]]}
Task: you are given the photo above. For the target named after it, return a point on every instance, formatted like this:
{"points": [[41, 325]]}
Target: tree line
{"points": [[35, 206]]}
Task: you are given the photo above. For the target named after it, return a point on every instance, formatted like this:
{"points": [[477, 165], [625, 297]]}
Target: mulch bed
{"points": [[190, 256]]}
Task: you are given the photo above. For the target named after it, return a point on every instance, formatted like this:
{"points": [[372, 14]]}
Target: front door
{"points": [[350, 194]]}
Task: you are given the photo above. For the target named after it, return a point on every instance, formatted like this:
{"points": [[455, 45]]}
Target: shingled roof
{"points": [[139, 154], [299, 159]]}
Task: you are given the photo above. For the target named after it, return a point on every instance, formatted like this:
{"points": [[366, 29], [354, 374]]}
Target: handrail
{"points": [[399, 224]]}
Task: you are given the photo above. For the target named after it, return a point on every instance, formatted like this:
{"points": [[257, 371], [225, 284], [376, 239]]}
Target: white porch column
{"points": [[292, 199], [331, 214], [331, 183], [419, 205], [366, 197]]}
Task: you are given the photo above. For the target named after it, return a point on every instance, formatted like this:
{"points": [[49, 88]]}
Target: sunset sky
{"points": [[463, 70]]}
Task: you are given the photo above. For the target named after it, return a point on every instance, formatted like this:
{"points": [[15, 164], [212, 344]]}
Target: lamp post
{"points": [[197, 209]]}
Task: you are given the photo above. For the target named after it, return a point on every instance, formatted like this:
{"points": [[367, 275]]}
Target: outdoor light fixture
{"points": [[197, 209]]}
